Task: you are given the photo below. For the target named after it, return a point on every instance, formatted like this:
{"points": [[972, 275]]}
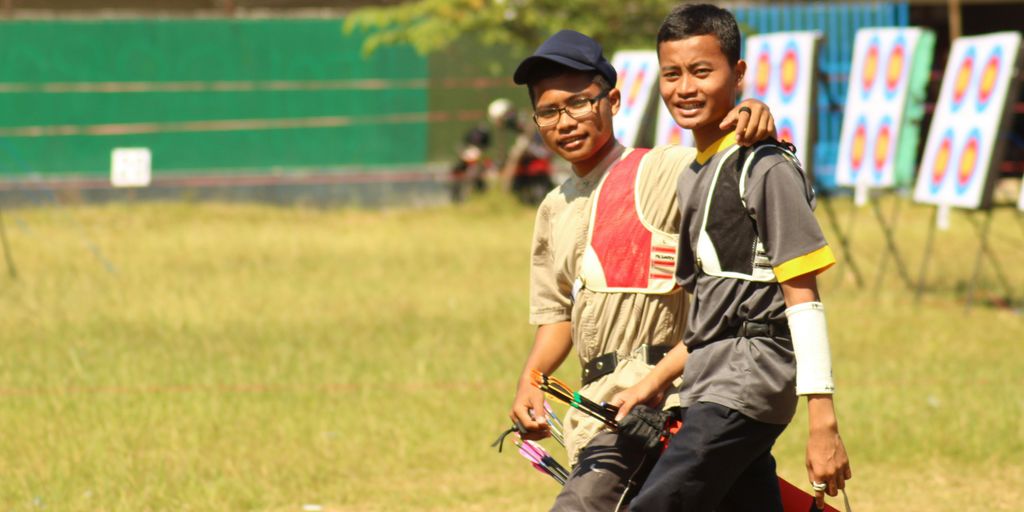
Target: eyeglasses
{"points": [[576, 109]]}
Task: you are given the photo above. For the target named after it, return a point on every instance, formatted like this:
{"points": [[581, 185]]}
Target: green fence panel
{"points": [[464, 79], [206, 96]]}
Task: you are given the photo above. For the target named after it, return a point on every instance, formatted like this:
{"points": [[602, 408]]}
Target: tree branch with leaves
{"points": [[432, 26]]}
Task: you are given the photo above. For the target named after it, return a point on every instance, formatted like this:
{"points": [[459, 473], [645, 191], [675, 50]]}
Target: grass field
{"points": [[174, 356]]}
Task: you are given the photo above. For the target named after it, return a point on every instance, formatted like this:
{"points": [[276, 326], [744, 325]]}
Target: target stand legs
{"points": [[926, 258], [983, 228], [891, 249], [844, 241]]}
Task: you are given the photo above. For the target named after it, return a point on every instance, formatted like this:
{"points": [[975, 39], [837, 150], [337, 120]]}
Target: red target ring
{"points": [[870, 71], [894, 70], [962, 79]]}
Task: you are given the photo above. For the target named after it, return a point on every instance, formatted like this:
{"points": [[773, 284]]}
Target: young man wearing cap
{"points": [[603, 260]]}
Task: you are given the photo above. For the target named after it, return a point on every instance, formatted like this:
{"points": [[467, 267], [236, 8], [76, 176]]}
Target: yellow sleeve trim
{"points": [[815, 261]]}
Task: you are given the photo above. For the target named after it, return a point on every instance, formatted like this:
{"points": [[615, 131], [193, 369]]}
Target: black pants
{"points": [[720, 461], [609, 471]]}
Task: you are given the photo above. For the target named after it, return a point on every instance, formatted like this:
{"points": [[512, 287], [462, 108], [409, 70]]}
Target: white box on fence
{"points": [[131, 167]]}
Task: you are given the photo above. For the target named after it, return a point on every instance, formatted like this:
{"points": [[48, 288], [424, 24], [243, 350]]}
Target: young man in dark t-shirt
{"points": [[750, 248]]}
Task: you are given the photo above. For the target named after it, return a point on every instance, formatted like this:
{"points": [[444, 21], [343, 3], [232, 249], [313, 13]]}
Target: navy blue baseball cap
{"points": [[570, 49]]}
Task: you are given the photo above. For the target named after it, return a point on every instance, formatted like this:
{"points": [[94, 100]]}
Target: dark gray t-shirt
{"points": [[774, 233]]}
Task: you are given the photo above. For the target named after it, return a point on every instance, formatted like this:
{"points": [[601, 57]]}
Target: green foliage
{"points": [[434, 25]]}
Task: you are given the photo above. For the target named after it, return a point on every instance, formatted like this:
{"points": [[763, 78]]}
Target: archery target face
{"points": [[789, 72], [989, 76], [967, 169], [668, 132], [940, 165], [959, 160], [763, 75], [859, 144], [883, 145], [638, 74], [896, 68], [964, 72], [875, 106], [780, 72], [869, 69]]}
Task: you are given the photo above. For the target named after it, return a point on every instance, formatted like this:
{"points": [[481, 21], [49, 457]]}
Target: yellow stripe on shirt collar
{"points": [[727, 141]]}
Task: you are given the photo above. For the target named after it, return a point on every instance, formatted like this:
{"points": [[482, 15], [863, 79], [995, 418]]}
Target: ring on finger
{"points": [[819, 486], [745, 109]]}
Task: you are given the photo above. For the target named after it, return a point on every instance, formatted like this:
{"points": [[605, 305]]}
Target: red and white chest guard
{"points": [[625, 252]]}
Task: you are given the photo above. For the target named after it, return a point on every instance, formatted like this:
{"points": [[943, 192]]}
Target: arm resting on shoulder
{"points": [[751, 120]]}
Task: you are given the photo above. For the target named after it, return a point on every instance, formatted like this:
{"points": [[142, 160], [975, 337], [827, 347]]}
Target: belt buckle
{"points": [[750, 329], [648, 355], [641, 352]]}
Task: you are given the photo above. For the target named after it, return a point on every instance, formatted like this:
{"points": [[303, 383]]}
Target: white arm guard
{"points": [[810, 343]]}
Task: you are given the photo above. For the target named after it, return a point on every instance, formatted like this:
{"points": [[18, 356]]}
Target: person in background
{"points": [[527, 169], [471, 167]]}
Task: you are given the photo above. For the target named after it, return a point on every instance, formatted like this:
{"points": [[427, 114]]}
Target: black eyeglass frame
{"points": [[565, 110]]}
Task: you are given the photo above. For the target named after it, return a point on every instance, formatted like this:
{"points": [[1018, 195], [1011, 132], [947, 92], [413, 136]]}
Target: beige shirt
{"points": [[605, 322]]}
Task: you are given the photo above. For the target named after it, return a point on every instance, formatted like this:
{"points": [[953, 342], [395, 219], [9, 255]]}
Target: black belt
{"points": [[604, 364], [750, 329]]}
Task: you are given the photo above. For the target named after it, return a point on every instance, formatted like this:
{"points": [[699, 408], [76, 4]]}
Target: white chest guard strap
{"points": [[753, 264], [708, 257]]}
